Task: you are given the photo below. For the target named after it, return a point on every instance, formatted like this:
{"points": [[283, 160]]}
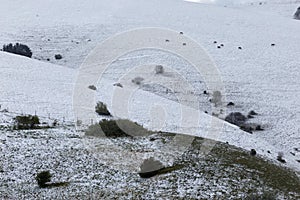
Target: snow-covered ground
{"points": [[258, 77]]}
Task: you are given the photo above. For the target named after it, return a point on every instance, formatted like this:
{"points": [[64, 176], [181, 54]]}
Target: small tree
{"points": [[19, 49], [43, 178]]}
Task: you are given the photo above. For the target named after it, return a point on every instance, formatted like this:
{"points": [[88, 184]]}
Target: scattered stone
{"points": [[184, 44], [222, 45], [215, 42], [269, 151], [118, 85], [181, 33], [219, 47], [293, 153], [205, 92], [206, 112], [230, 104], [252, 152], [58, 56], [240, 48], [48, 59], [298, 161], [272, 45], [167, 40]]}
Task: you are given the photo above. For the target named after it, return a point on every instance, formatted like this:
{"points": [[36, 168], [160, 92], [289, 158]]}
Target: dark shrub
{"points": [[230, 104], [92, 87], [280, 157], [101, 109], [26, 122], [252, 152], [43, 178], [58, 56], [19, 49], [117, 128], [236, 118], [252, 112]]}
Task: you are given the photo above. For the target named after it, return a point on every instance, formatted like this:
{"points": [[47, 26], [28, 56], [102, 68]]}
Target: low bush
{"points": [[159, 69], [26, 122], [101, 109], [19, 49], [236, 118], [92, 87], [117, 128], [58, 57]]}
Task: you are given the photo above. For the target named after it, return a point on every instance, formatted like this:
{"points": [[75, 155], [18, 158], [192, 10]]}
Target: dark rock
{"points": [[272, 45], [184, 44], [269, 151], [167, 40], [222, 45], [281, 160], [181, 33], [240, 48], [297, 14], [205, 92], [215, 42], [219, 47]]}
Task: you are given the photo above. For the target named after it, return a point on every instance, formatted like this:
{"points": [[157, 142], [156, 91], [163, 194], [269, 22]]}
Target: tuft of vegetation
{"points": [[101, 109], [26, 122], [19, 49], [117, 128]]}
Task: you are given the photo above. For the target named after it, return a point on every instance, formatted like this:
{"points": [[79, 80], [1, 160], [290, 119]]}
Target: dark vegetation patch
{"points": [[58, 57], [26, 122], [92, 87], [101, 109], [19, 49], [117, 128], [236, 118], [44, 178]]}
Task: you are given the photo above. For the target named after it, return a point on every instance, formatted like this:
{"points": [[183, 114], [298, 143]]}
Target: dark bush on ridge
{"points": [[101, 109], [236, 118], [19, 49]]}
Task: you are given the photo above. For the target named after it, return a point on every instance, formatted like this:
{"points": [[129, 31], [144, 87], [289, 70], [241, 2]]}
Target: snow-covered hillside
{"points": [[258, 62]]}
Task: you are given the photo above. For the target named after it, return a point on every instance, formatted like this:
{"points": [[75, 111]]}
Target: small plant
{"points": [[101, 109], [43, 178], [26, 122], [19, 49]]}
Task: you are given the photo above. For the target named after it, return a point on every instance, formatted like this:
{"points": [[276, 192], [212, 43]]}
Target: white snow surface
{"points": [[259, 77]]}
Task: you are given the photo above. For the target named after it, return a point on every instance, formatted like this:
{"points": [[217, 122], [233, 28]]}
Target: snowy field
{"points": [[259, 76]]}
